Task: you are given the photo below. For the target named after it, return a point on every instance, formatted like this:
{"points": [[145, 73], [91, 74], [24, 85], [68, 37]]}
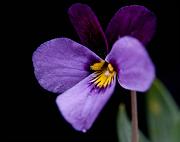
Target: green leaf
{"points": [[124, 127], [163, 114], [176, 130]]}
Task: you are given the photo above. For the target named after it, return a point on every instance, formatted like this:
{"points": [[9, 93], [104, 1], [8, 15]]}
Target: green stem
{"points": [[135, 137]]}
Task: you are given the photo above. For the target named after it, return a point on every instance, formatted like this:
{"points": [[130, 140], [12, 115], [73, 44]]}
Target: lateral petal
{"points": [[61, 63], [133, 64]]}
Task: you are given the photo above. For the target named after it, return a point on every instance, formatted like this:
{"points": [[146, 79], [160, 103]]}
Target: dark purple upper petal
{"points": [[133, 64], [88, 28], [81, 104], [134, 20], [61, 63]]}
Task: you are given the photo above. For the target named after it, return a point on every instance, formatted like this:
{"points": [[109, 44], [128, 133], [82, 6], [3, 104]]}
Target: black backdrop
{"points": [[30, 111]]}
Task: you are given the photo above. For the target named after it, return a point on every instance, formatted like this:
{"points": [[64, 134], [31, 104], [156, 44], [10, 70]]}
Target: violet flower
{"points": [[87, 81]]}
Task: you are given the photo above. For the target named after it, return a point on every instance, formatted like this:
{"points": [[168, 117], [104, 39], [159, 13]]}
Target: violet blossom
{"points": [[86, 80]]}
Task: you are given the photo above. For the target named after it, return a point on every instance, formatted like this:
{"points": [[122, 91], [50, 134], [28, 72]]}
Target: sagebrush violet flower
{"points": [[87, 81]]}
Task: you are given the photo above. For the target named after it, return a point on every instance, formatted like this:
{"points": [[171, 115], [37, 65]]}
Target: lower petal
{"points": [[81, 104]]}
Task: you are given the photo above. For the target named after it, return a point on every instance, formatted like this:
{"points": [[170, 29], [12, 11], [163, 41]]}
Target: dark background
{"points": [[30, 112]]}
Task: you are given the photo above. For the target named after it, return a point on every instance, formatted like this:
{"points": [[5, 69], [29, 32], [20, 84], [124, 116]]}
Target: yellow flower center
{"points": [[104, 72]]}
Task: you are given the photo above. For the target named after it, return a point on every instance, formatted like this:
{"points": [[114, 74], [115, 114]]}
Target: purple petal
{"points": [[134, 20], [133, 64], [87, 26], [81, 104], [61, 63]]}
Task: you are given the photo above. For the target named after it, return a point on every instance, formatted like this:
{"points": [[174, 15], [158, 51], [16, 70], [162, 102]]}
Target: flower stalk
{"points": [[135, 137]]}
